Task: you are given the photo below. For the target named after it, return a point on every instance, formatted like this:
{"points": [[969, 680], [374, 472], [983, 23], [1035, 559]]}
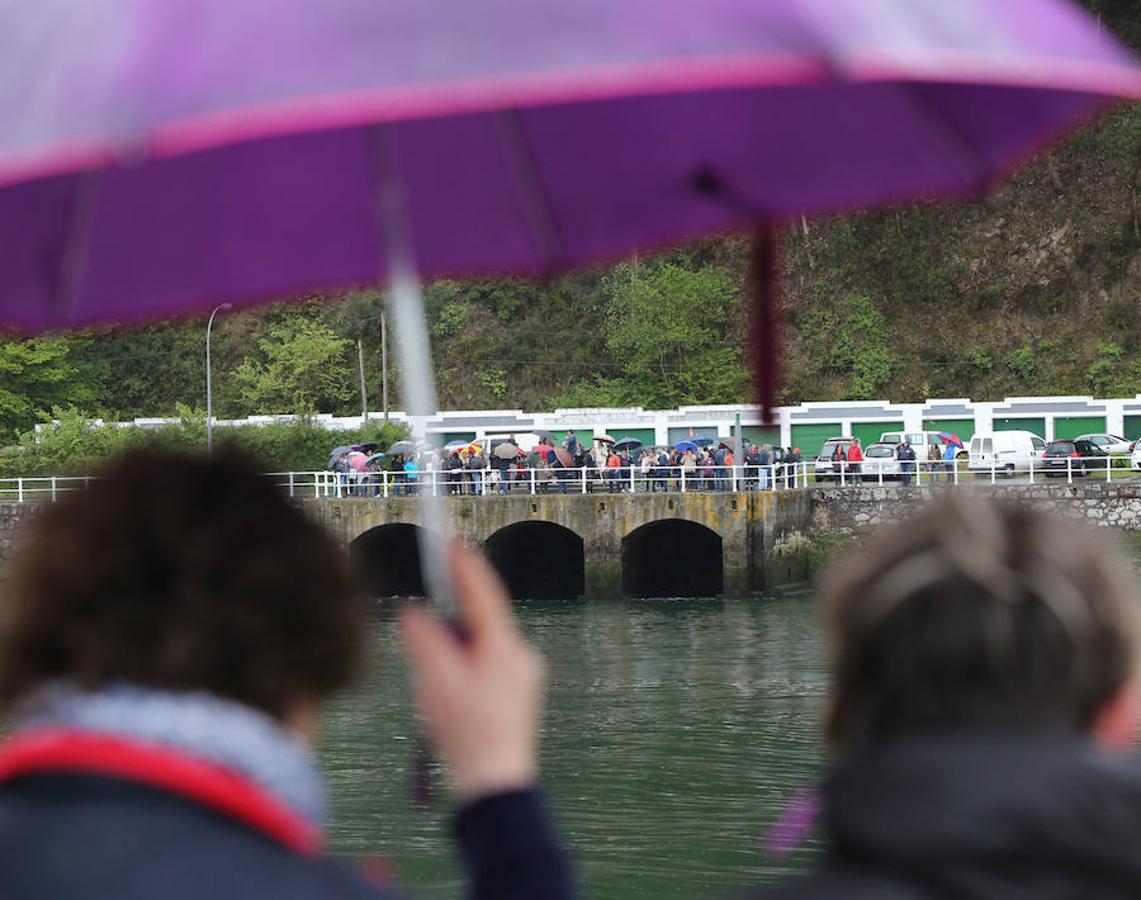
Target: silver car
{"points": [[1111, 443], [880, 460]]}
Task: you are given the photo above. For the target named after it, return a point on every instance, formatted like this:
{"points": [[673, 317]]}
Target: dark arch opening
{"points": [[539, 560], [386, 561], [672, 558]]}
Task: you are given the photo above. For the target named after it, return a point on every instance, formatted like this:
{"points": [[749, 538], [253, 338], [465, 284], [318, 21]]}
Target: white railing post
{"points": [[955, 474], [842, 473], [683, 479], [53, 487], [291, 485], [1069, 470], [1031, 468], [583, 470], [19, 490], [992, 471], [632, 472], [1108, 469], [532, 471]]}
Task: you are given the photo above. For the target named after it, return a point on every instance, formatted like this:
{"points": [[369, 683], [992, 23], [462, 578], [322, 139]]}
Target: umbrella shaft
{"points": [[418, 382]]}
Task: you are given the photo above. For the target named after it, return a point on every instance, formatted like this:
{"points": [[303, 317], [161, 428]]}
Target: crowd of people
{"points": [[165, 655], [574, 466]]}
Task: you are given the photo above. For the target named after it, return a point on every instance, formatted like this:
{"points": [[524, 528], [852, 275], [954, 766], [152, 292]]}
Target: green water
{"points": [[675, 733]]}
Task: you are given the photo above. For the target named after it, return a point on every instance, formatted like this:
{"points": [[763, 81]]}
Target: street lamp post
{"points": [[209, 392]]}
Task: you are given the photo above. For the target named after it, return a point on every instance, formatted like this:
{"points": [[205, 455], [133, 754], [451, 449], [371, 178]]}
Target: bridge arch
{"points": [[385, 561], [539, 560], [672, 558]]}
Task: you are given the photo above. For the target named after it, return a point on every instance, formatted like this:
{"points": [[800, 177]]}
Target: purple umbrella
{"points": [[158, 157]]}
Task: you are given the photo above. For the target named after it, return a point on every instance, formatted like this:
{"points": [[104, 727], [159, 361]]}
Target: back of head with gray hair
{"points": [[977, 615]]}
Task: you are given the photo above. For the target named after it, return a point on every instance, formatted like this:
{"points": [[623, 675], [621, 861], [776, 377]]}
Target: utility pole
{"points": [[364, 390], [209, 386], [384, 363]]}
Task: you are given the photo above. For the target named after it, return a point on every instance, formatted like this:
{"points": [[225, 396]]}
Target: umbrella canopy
{"points": [[627, 444], [683, 446], [948, 438], [543, 435], [337, 453], [358, 461], [455, 445], [377, 457], [469, 448], [402, 448], [604, 439], [704, 441], [506, 450], [158, 158], [564, 457], [366, 448]]}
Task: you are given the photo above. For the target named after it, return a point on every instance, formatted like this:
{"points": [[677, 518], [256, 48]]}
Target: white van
{"points": [[1006, 452]]}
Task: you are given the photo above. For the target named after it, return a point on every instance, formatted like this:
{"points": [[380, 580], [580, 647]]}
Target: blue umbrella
{"points": [[685, 445]]}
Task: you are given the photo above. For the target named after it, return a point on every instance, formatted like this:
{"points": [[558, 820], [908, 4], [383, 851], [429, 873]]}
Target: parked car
{"points": [[1077, 457], [918, 439], [826, 468], [1135, 459], [880, 460], [1110, 443], [1005, 452]]}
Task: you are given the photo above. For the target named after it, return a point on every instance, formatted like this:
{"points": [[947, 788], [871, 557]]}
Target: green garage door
{"points": [[1132, 428], [1069, 427], [761, 434], [1036, 426], [645, 435], [869, 432], [961, 428], [810, 438]]}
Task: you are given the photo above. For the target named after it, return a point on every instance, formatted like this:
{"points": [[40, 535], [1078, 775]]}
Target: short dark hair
{"points": [[977, 615], [177, 572]]}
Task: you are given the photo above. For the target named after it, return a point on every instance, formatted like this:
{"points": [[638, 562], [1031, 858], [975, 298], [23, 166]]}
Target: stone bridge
{"points": [[692, 544]]}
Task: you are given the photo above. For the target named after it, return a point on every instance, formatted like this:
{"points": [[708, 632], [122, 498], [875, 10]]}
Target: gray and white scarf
{"points": [[224, 732]]}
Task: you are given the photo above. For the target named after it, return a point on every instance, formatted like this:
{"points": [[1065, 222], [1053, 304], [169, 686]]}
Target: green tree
{"points": [[675, 333], [38, 374], [300, 366]]}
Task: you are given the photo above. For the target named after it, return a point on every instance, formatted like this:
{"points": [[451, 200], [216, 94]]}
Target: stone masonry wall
{"points": [[1103, 505]]}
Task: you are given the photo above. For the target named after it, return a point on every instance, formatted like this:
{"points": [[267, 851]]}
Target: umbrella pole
{"points": [[418, 381]]}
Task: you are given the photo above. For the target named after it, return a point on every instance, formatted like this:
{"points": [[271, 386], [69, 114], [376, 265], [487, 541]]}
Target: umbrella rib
{"points": [[536, 201], [946, 135], [73, 257]]}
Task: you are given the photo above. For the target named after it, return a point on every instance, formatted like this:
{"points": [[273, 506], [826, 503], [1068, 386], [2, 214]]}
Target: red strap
{"points": [[220, 789]]}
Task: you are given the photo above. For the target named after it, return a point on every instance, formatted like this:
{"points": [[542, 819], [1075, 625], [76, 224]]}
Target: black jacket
{"points": [[88, 837], [973, 817]]}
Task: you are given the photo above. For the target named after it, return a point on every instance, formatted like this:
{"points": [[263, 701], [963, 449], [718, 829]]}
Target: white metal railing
{"points": [[635, 479]]}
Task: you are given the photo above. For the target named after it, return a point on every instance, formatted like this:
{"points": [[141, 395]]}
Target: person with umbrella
{"points": [[162, 690]]}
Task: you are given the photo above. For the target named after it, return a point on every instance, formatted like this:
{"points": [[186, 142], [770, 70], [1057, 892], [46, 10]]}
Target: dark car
{"points": [[1079, 457]]}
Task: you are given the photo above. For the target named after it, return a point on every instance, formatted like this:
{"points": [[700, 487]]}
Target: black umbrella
{"points": [[704, 441], [544, 435], [402, 448], [627, 444]]}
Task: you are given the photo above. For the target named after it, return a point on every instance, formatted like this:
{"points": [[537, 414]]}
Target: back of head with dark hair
{"points": [[977, 615], [177, 572]]}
